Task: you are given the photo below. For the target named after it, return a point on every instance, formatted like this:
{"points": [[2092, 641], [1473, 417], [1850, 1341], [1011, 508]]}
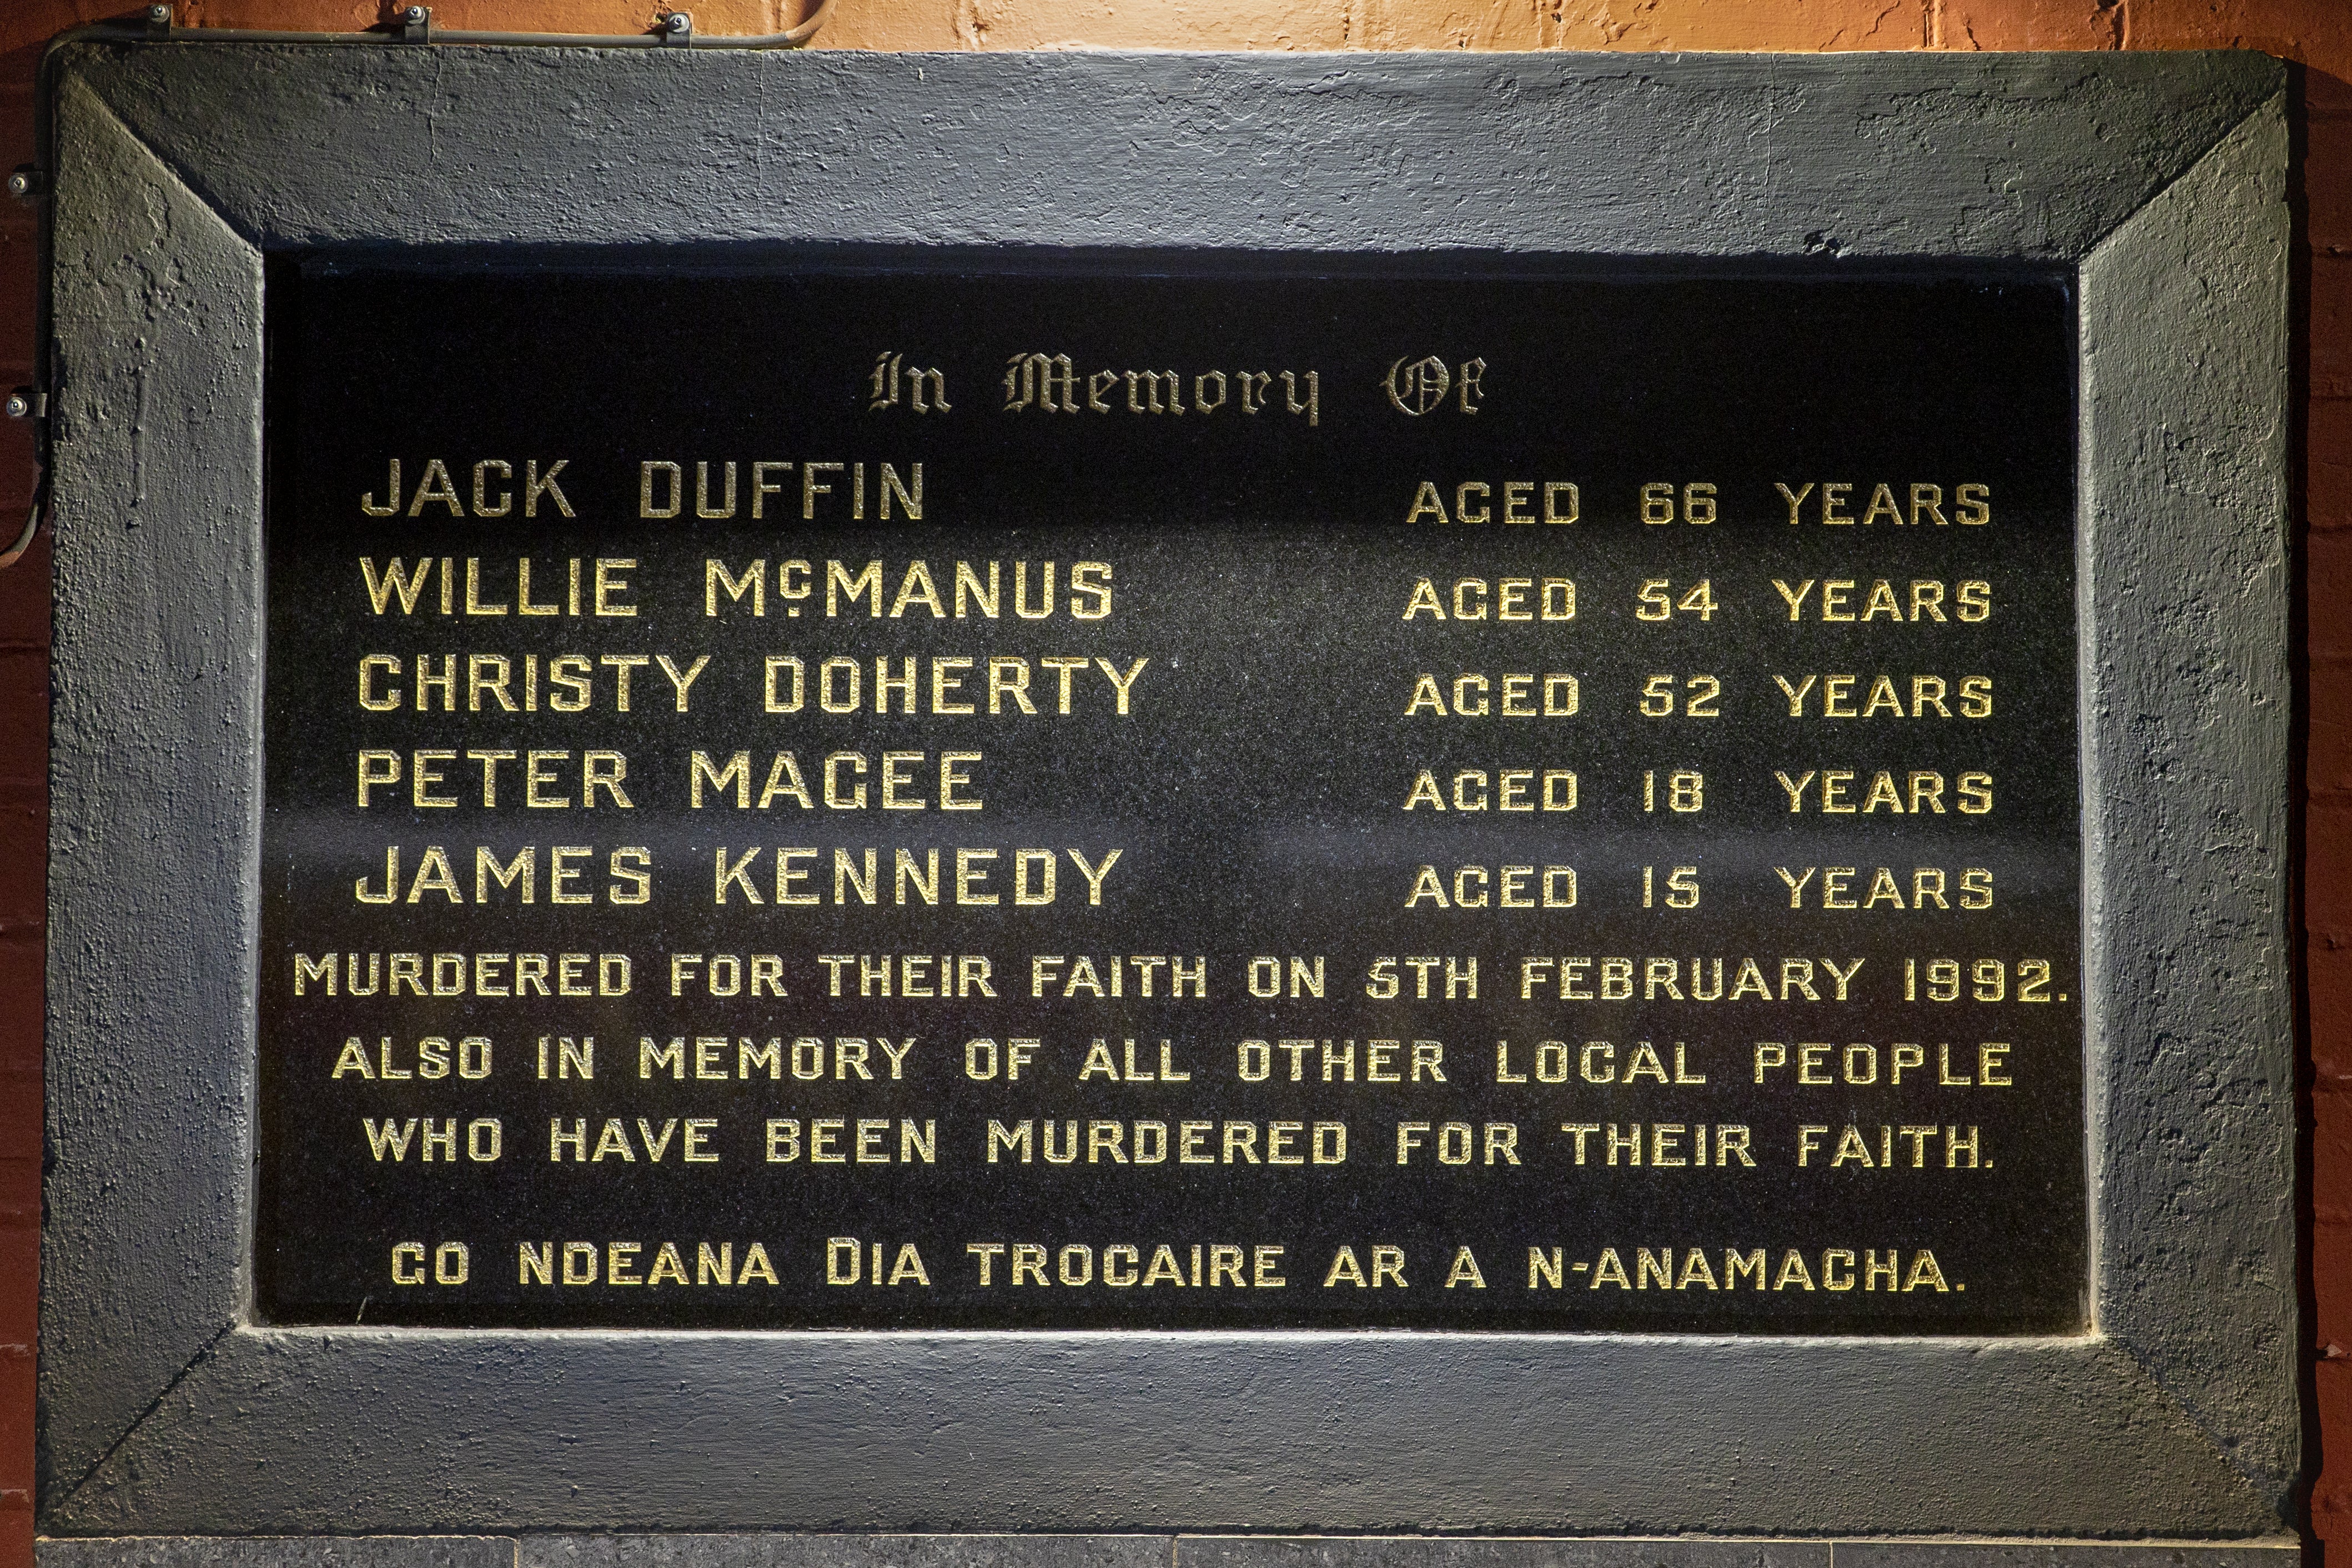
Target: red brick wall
{"points": [[23, 840], [2317, 33]]}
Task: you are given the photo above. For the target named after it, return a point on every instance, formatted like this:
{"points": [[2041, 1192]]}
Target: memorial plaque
{"points": [[1437, 796], [1087, 799]]}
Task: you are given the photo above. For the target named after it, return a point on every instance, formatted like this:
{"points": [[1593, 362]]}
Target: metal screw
{"points": [[25, 184], [159, 15], [416, 16], [678, 22], [23, 402]]}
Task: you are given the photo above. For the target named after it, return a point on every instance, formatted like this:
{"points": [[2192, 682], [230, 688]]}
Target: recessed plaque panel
{"points": [[1137, 800]]}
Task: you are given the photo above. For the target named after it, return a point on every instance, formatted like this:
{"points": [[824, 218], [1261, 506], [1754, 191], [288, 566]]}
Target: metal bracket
{"points": [[415, 25], [27, 403], [676, 27]]}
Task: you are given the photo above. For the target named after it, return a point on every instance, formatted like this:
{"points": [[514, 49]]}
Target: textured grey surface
{"points": [[842, 1552], [1696, 155], [2070, 1554], [1457, 1552], [163, 1412], [154, 783], [278, 1551], [2185, 721], [1124, 1551], [403, 1429]]}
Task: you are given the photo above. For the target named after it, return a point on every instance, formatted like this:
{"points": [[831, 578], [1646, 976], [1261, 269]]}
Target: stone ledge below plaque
{"points": [[816, 1551]]}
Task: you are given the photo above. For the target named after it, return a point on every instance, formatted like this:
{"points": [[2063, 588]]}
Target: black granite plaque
{"points": [[1123, 799]]}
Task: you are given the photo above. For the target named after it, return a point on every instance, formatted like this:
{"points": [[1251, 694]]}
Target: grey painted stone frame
{"points": [[180, 165]]}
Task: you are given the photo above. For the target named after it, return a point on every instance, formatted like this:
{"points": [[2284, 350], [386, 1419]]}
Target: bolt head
{"points": [[678, 22], [415, 14], [20, 185], [19, 406], [159, 13]]}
